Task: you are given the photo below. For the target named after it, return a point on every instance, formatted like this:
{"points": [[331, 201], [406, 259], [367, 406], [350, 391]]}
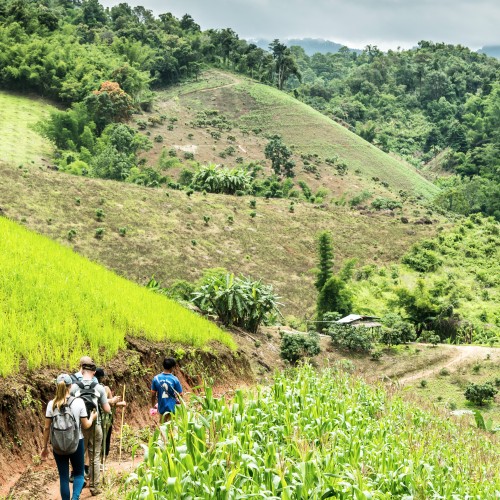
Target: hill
{"points": [[57, 305], [311, 46], [252, 112]]}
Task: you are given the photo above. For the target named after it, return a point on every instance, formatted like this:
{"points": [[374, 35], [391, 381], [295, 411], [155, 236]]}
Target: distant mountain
{"points": [[491, 50], [310, 45]]}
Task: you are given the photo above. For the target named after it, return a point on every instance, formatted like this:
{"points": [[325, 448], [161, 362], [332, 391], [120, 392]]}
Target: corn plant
{"points": [[313, 436]]}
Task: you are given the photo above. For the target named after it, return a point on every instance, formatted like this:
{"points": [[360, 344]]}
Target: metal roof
{"points": [[355, 317]]}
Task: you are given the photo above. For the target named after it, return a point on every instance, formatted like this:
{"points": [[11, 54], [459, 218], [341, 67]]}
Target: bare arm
{"points": [[87, 422], [46, 432]]}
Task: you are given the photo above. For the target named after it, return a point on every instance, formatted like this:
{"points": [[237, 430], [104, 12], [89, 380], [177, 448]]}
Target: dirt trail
{"points": [[42, 482], [461, 353]]}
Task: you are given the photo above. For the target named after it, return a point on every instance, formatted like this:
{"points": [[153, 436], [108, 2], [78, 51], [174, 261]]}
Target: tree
{"points": [[284, 63], [334, 297], [325, 264], [109, 104], [237, 301], [280, 156]]}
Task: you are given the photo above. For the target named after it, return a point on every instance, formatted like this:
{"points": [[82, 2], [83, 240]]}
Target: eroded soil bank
{"points": [[23, 397]]}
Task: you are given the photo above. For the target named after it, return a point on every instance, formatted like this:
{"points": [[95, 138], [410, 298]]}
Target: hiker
{"points": [[67, 439], [84, 360], [165, 388], [107, 418], [94, 396]]}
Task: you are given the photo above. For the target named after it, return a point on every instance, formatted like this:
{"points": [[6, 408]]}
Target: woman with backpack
{"points": [[65, 418]]}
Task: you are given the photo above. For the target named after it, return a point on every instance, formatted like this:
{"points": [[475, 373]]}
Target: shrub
{"points": [[358, 339], [385, 204], [206, 219], [296, 347], [422, 260], [99, 214], [188, 155], [253, 203], [78, 201], [71, 234], [99, 233], [423, 383], [253, 214], [158, 138], [122, 231], [230, 219], [360, 198], [214, 179], [479, 394], [238, 301]]}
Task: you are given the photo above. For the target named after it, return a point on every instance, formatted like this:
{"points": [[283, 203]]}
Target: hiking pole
{"points": [[93, 455], [121, 428]]}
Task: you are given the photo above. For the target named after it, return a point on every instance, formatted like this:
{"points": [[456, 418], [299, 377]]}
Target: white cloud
{"points": [[388, 23]]}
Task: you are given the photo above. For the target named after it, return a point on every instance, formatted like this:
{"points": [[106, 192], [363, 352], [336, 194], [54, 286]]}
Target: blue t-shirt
{"points": [[167, 386]]}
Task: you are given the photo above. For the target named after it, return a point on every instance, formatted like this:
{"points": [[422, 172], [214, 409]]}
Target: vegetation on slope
{"points": [[56, 305], [255, 112], [449, 284], [166, 234], [20, 143], [315, 435], [418, 103]]}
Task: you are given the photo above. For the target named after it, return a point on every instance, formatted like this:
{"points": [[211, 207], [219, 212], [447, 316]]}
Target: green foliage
{"points": [[238, 301], [54, 298], [422, 260], [485, 425], [479, 394], [280, 156], [351, 338], [334, 297], [214, 179], [325, 259], [297, 347], [338, 417], [385, 204]]}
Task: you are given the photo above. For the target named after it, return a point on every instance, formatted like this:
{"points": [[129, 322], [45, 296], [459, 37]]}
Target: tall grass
{"points": [[56, 305], [312, 436]]}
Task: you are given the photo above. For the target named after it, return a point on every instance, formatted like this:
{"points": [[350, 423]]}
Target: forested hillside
{"points": [[434, 101]]}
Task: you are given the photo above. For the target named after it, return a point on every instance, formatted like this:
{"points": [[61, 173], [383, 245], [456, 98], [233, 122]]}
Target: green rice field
{"points": [[56, 305]]}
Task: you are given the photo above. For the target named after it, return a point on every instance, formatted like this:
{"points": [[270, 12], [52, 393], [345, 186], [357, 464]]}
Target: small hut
{"points": [[357, 320]]}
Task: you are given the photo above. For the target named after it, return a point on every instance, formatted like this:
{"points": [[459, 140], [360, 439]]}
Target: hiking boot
{"points": [[95, 491]]}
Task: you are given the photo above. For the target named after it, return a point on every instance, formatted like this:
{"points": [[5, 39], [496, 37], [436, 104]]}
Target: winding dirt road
{"points": [[460, 354]]}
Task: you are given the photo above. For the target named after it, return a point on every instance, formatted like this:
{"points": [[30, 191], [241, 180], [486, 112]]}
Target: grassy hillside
{"points": [[56, 305], [166, 235], [467, 277], [254, 111], [20, 144]]}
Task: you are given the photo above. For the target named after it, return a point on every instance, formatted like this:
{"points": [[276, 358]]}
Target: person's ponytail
{"points": [[60, 398]]}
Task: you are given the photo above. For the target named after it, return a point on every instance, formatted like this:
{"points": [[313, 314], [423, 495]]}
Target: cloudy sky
{"points": [[356, 23]]}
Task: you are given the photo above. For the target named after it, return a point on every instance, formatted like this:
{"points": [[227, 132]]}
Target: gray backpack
{"points": [[64, 430]]}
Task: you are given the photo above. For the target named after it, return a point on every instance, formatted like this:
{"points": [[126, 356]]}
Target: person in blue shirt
{"points": [[165, 388]]}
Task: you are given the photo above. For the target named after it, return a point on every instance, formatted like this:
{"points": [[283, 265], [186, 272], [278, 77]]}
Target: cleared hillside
{"points": [[255, 111], [166, 235], [56, 305]]}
